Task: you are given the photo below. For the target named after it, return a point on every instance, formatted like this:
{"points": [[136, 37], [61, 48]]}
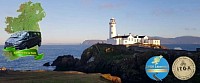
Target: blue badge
{"points": [[157, 68]]}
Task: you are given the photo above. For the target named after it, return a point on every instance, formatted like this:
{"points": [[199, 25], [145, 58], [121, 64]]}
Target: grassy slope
{"points": [[49, 77]]}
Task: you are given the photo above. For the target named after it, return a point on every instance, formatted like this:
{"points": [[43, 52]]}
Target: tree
{"points": [[31, 14]]}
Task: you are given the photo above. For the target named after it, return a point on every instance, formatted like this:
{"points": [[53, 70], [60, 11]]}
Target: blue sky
{"points": [[73, 21]]}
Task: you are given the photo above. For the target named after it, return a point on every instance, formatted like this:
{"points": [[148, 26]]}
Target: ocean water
{"points": [[53, 51], [189, 47]]}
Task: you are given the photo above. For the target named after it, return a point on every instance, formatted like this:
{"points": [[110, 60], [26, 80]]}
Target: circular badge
{"points": [[183, 68], [157, 68]]}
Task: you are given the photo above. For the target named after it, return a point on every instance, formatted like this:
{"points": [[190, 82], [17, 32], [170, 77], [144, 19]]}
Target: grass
{"points": [[49, 77]]}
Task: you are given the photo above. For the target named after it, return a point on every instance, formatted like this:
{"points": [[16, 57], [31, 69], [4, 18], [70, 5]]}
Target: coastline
{"points": [[110, 60], [126, 62], [51, 52]]}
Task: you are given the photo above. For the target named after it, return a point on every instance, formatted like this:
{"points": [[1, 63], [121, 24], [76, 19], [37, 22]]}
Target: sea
{"points": [[51, 52]]}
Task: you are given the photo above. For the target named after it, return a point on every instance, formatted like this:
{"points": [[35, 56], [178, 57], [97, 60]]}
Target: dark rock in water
{"points": [[128, 63], [198, 49], [66, 62], [46, 64]]}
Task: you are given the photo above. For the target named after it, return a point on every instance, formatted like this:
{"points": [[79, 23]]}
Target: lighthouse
{"points": [[112, 31], [128, 39]]}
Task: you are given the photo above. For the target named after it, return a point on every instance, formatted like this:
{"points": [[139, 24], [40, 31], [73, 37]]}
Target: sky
{"points": [[73, 21]]}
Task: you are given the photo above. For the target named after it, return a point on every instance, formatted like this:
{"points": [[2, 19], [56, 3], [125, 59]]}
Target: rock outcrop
{"points": [[47, 64], [128, 63], [66, 62]]}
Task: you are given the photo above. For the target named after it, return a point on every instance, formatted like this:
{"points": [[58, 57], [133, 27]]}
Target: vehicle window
{"points": [[30, 35], [27, 34], [19, 34], [38, 34], [34, 34]]}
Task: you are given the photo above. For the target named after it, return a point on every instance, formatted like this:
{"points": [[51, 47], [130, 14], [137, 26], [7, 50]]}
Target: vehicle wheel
{"points": [[24, 46]]}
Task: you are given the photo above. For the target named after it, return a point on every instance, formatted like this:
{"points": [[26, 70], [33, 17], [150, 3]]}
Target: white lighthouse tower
{"points": [[112, 31]]}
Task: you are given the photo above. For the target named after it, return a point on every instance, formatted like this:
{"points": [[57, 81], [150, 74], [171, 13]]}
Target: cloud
{"points": [[193, 10], [111, 5], [175, 11], [108, 5], [190, 29], [164, 12], [103, 5], [87, 2]]}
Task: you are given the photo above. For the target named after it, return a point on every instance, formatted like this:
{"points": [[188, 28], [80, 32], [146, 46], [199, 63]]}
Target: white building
{"points": [[115, 39]]}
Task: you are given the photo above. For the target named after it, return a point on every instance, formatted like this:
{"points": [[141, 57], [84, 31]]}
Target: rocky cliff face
{"points": [[126, 62]]}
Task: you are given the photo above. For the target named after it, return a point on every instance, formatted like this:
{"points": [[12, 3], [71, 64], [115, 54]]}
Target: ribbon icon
{"points": [[24, 53]]}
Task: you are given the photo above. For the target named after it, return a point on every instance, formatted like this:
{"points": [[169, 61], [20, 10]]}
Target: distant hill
{"points": [[91, 42], [177, 40], [180, 40]]}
